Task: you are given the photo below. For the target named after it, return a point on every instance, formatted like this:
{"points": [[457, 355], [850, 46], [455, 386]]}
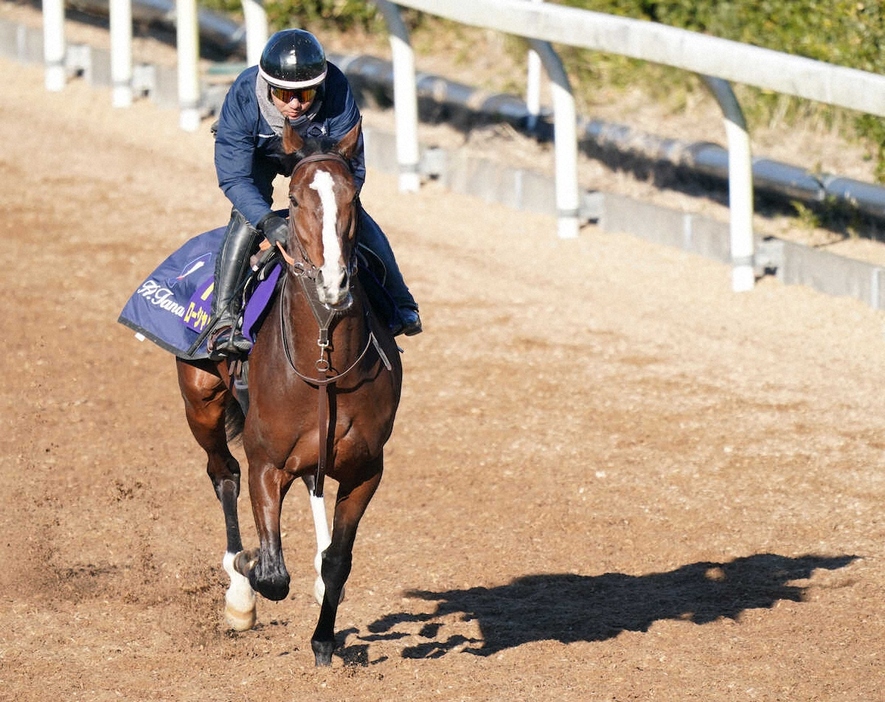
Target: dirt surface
{"points": [[611, 477]]}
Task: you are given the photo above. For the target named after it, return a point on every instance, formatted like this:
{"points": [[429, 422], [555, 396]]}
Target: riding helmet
{"points": [[293, 58]]}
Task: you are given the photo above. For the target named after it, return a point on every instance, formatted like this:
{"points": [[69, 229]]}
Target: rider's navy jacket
{"points": [[248, 147]]}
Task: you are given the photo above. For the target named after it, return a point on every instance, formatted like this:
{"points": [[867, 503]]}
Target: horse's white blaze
{"points": [[321, 527], [332, 268], [239, 600]]}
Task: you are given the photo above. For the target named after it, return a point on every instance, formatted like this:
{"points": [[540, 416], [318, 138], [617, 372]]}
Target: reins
{"points": [[324, 323], [324, 315], [323, 379]]}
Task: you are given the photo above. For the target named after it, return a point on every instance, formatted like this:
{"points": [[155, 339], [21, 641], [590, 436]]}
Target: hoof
{"points": [[322, 652], [243, 562], [239, 620], [271, 590], [269, 581], [239, 600]]}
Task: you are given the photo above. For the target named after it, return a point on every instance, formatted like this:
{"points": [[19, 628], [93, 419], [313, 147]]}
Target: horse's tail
{"points": [[234, 419]]}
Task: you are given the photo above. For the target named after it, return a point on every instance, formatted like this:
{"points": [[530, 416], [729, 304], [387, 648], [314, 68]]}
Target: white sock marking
{"points": [[321, 528], [239, 598]]}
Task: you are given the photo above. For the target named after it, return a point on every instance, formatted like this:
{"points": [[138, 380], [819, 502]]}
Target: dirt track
{"points": [[611, 478]]}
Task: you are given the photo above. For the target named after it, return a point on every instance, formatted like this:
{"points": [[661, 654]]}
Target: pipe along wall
{"points": [[443, 100]]}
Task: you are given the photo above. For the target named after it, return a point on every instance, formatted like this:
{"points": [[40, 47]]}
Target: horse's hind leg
{"points": [[205, 401], [338, 557]]}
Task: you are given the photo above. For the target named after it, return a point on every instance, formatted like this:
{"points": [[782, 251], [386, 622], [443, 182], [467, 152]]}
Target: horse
{"points": [[324, 383]]}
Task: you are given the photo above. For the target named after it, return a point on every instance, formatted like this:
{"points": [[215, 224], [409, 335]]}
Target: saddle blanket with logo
{"points": [[173, 306]]}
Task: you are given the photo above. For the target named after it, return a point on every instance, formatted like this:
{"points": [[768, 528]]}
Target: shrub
{"points": [[843, 32]]}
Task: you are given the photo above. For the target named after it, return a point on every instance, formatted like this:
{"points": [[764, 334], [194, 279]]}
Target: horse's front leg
{"points": [[267, 488], [338, 557], [323, 536], [205, 398]]}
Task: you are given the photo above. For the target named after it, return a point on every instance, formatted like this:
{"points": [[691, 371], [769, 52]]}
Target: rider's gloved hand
{"points": [[274, 228]]}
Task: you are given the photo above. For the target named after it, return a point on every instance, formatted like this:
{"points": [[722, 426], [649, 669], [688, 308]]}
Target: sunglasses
{"points": [[286, 95]]}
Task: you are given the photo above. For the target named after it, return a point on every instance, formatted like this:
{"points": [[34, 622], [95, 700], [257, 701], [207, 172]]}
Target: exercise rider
{"points": [[294, 82]]}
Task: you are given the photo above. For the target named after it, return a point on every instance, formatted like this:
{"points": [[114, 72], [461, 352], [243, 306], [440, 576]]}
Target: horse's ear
{"points": [[292, 141], [348, 143]]}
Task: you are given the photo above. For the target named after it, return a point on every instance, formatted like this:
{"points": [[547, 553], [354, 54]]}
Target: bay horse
{"points": [[324, 382]]}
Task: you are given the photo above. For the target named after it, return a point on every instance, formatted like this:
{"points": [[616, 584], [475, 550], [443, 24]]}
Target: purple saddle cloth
{"points": [[173, 306]]}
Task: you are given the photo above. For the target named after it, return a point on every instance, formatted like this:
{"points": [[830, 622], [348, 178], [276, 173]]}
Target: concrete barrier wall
{"points": [[792, 263]]}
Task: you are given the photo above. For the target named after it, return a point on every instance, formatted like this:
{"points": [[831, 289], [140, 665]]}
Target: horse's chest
{"points": [[350, 448]]}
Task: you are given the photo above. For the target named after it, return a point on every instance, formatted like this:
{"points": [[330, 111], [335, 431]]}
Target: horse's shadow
{"points": [[572, 608]]}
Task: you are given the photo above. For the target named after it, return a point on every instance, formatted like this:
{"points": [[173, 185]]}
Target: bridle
{"points": [[306, 267], [305, 271]]}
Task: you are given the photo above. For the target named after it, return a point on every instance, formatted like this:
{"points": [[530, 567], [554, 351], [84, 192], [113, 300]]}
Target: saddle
{"points": [[262, 284]]}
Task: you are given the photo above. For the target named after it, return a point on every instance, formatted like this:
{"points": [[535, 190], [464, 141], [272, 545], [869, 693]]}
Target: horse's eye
{"points": [[293, 201]]}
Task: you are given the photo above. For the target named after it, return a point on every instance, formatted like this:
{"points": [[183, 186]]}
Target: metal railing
{"points": [[716, 60]]}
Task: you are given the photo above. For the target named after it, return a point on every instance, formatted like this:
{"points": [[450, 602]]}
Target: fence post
{"points": [[565, 142], [188, 44], [740, 185], [54, 44], [120, 25], [256, 30], [405, 98]]}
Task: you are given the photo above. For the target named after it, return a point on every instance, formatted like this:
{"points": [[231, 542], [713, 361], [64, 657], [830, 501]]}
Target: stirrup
{"points": [[226, 341]]}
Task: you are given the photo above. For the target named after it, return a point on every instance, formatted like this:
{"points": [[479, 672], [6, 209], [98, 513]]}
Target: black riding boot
{"points": [[230, 269], [374, 239]]}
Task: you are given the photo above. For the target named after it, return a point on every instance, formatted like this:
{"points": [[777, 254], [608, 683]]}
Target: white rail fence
{"points": [[718, 61], [122, 73]]}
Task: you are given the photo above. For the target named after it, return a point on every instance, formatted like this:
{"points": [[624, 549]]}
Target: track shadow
{"points": [[572, 608]]}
